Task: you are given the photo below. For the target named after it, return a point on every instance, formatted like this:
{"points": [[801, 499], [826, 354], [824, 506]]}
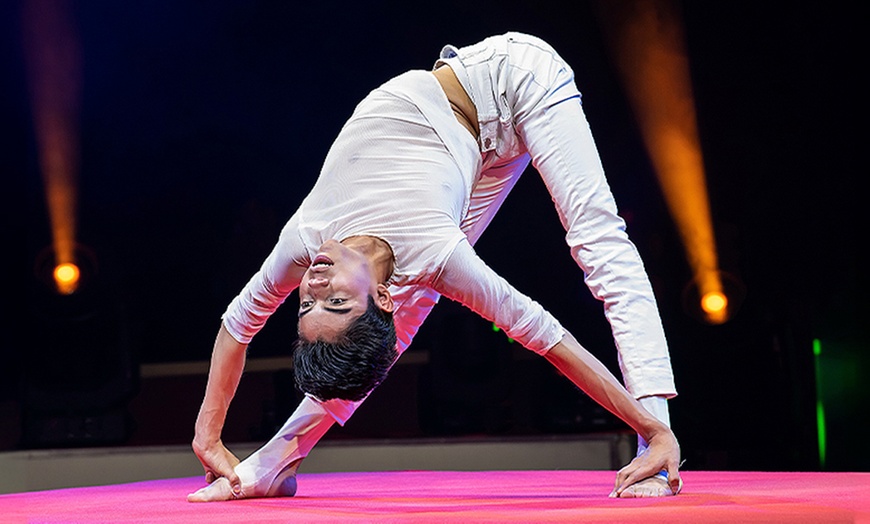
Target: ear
{"points": [[383, 298]]}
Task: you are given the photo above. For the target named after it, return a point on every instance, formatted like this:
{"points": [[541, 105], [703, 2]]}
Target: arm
{"points": [[590, 375], [467, 279], [246, 315], [227, 364]]}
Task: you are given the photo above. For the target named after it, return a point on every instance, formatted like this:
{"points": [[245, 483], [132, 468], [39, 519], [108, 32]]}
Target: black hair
{"points": [[354, 364]]}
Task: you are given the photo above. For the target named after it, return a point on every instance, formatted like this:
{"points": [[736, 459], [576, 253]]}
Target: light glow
{"points": [[821, 427], [714, 303], [66, 277]]}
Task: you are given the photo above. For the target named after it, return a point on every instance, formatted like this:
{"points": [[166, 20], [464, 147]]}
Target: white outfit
{"points": [[403, 169], [396, 179]]}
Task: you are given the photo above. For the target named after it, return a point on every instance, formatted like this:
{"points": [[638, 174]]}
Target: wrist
{"points": [[659, 431], [205, 437], [205, 440]]}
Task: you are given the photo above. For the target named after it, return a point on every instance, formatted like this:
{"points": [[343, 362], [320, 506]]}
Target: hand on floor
{"points": [[657, 466]]}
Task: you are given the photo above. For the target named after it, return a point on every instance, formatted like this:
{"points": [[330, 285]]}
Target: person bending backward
{"points": [[410, 183]]}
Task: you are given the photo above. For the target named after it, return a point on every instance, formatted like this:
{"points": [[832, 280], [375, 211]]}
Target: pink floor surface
{"points": [[489, 496]]}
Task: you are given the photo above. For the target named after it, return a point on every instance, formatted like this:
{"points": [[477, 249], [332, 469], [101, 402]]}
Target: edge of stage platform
{"points": [[37, 470]]}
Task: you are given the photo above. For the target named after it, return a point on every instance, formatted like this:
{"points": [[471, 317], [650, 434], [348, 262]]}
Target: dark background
{"points": [[203, 124]]}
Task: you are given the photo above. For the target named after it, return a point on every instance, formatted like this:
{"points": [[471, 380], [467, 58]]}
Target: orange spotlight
{"points": [[53, 64], [647, 39], [66, 277], [714, 302], [715, 305]]}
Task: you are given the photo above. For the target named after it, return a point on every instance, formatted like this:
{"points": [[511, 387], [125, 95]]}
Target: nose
{"points": [[318, 282]]}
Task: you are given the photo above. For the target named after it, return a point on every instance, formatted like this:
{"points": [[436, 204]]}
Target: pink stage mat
{"points": [[490, 496]]}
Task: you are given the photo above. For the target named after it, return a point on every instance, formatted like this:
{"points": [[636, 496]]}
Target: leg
{"points": [[271, 470], [558, 137]]}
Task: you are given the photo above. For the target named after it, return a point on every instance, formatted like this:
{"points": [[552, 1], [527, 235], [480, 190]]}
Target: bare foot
{"points": [[282, 485], [218, 490], [655, 486]]}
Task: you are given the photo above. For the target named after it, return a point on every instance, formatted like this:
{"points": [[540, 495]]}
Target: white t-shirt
{"points": [[404, 170]]}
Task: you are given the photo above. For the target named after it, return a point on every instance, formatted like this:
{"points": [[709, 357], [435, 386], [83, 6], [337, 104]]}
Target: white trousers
{"points": [[529, 109]]}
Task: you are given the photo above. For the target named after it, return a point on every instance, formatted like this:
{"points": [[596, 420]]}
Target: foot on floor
{"points": [[655, 486], [282, 485]]}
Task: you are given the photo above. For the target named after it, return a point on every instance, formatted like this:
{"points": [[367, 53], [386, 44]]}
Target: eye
{"points": [[337, 301], [305, 304]]}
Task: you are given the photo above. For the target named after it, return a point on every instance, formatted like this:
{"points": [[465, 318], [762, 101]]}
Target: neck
{"points": [[378, 252]]}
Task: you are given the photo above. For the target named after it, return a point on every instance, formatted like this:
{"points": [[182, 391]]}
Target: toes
{"points": [[635, 492], [648, 487], [218, 490]]}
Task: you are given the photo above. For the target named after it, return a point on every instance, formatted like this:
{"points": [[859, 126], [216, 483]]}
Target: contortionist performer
{"points": [[410, 183]]}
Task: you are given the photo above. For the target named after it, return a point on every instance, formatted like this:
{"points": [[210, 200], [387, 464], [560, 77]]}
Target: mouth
{"points": [[321, 262]]}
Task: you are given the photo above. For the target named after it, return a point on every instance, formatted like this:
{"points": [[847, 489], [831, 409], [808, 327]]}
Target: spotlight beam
{"points": [[53, 69], [647, 39]]}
